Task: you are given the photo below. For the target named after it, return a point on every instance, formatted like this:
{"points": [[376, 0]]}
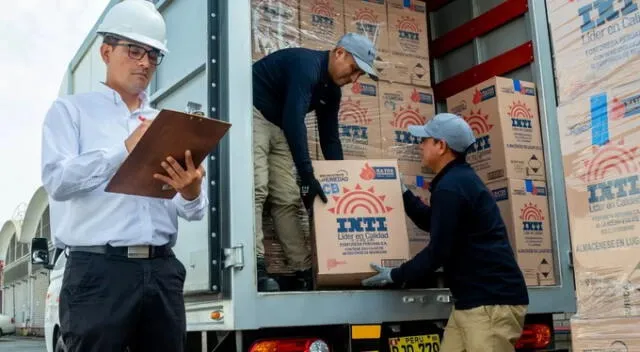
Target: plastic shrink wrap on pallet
{"points": [[373, 116]]}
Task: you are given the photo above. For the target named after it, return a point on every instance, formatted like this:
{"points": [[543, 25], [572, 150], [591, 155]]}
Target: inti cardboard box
{"points": [[275, 25], [408, 41], [321, 23], [595, 45], [503, 114], [362, 223], [401, 106], [419, 186], [605, 335], [369, 18], [359, 120], [603, 195], [525, 210], [598, 117]]}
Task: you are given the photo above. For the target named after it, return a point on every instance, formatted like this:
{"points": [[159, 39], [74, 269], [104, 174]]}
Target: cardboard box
{"points": [[603, 195], [503, 114], [605, 335], [321, 23], [362, 223], [369, 18], [359, 120], [418, 239], [408, 41], [401, 106], [599, 117], [275, 25], [384, 66], [595, 45], [525, 210]]}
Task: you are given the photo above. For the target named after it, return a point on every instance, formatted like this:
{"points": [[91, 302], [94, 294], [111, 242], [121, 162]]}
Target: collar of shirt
{"points": [[325, 79], [444, 171], [112, 94]]}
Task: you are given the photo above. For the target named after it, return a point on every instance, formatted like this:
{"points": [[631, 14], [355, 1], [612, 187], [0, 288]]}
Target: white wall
{"points": [[90, 70]]}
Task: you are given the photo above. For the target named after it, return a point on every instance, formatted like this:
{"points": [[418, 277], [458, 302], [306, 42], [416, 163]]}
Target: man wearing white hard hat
{"points": [[122, 284], [468, 240]]}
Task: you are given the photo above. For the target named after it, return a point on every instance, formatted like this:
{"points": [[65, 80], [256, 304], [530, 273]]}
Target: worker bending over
{"points": [[469, 240], [287, 85]]}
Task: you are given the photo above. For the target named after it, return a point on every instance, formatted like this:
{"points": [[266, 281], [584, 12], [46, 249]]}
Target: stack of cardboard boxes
{"points": [[508, 157], [373, 116], [597, 61]]}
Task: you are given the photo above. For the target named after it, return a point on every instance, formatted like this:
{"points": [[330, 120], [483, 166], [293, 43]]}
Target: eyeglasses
{"points": [[136, 52]]}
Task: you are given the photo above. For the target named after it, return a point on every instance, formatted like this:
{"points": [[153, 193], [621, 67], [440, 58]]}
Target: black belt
{"points": [[137, 252]]}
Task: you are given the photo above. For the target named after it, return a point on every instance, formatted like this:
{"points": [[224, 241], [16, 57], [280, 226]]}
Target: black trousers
{"points": [[109, 303]]}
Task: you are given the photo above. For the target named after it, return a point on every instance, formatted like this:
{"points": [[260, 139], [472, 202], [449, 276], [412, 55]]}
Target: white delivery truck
{"points": [[210, 67]]}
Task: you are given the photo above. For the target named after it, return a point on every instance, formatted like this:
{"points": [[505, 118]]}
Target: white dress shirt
{"points": [[82, 147]]}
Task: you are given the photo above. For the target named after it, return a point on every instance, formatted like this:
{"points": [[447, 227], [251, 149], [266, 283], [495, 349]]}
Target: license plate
{"points": [[419, 343]]}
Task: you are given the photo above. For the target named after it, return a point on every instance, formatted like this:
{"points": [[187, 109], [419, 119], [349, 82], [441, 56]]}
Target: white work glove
{"points": [[382, 278]]}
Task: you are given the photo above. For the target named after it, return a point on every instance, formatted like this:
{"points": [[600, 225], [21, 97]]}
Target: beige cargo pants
{"points": [[274, 176], [484, 329]]}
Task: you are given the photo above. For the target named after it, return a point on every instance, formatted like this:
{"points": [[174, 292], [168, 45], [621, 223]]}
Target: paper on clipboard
{"points": [[170, 134]]}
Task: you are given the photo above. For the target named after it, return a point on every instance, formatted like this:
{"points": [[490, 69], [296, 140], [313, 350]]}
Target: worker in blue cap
{"points": [[469, 241], [287, 85]]}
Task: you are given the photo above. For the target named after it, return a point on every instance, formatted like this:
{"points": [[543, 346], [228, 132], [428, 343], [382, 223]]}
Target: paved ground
{"points": [[22, 344]]}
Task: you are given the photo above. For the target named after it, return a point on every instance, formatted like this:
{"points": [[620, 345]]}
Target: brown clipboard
{"points": [[170, 134]]}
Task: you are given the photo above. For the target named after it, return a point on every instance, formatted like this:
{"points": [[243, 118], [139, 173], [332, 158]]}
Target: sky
{"points": [[38, 39]]}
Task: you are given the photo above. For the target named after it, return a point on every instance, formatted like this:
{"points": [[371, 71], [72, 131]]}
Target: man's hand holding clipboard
{"points": [[164, 154], [186, 181]]}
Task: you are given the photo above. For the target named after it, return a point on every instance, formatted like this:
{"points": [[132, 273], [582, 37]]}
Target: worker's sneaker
{"points": [[265, 283], [303, 280]]}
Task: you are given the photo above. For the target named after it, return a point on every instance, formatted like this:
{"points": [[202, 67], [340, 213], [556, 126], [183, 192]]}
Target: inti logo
{"points": [[354, 120], [599, 12], [401, 121], [322, 13], [358, 201], [481, 127], [367, 22], [611, 174], [408, 33], [532, 218], [520, 114]]}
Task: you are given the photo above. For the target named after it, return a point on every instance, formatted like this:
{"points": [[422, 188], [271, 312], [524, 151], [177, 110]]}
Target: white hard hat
{"points": [[137, 20]]}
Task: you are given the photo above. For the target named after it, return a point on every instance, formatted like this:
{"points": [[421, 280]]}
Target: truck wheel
{"points": [[60, 347]]}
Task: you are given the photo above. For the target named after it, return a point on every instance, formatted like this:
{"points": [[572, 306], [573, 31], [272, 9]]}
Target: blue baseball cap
{"points": [[362, 49], [447, 127]]}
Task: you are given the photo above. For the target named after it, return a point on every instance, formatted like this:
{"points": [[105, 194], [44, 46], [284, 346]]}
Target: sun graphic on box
{"points": [[613, 159], [358, 198], [406, 117]]}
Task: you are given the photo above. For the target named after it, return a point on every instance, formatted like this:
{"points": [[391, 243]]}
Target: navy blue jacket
{"points": [[468, 240], [288, 84]]}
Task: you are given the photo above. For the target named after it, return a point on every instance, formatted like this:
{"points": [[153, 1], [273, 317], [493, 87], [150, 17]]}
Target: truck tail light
{"points": [[534, 336], [290, 345]]}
